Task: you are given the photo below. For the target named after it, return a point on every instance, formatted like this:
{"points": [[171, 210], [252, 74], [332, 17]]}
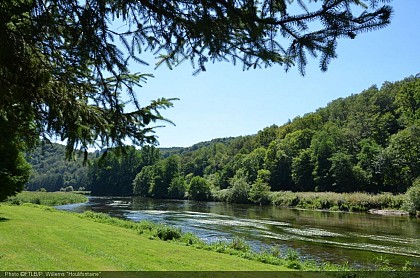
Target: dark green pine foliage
{"points": [[14, 170]]}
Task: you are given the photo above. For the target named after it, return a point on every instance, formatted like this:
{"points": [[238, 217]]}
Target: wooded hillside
{"points": [[368, 142]]}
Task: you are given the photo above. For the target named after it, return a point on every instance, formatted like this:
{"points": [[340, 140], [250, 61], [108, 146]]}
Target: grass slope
{"points": [[40, 238]]}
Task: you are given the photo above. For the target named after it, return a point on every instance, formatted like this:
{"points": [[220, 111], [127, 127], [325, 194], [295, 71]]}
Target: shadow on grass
{"points": [[3, 219]]}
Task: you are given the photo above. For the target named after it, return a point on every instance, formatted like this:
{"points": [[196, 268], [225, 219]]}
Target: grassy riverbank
{"points": [[36, 237], [354, 202], [41, 238], [47, 198]]}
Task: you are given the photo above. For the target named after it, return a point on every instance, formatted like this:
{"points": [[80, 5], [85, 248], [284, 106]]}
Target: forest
{"points": [[367, 142]]}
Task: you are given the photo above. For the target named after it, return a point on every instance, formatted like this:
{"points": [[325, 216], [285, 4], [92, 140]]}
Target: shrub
{"points": [[191, 239], [412, 201], [221, 195], [260, 192], [238, 190], [294, 265], [168, 233], [145, 226], [177, 188], [293, 259], [199, 189], [239, 244], [292, 255], [67, 189]]}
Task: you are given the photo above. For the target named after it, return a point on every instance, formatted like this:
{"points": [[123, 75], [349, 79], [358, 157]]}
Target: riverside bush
{"points": [[412, 201], [191, 239], [239, 244], [143, 227], [168, 233], [221, 195], [292, 255]]}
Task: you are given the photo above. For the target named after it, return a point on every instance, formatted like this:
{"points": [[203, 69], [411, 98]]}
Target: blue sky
{"points": [[226, 101]]}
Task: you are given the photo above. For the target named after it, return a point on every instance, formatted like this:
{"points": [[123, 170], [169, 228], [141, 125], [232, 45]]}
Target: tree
{"points": [[412, 202], [163, 174], [260, 190], [252, 163], [143, 181], [114, 173], [281, 155], [14, 170], [62, 74], [199, 189], [346, 177], [177, 188], [265, 136], [408, 99], [402, 159], [302, 168], [324, 144], [278, 162], [371, 162], [239, 188]]}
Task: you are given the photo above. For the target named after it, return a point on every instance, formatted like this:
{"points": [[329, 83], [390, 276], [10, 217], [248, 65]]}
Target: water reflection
{"points": [[336, 237]]}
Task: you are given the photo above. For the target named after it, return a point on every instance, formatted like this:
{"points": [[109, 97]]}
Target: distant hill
{"points": [[51, 171], [166, 152], [365, 142]]}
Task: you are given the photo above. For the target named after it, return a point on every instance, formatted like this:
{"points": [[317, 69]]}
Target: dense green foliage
{"points": [[159, 180], [368, 142], [47, 198], [412, 203], [199, 189], [62, 74], [51, 171], [113, 173], [108, 173], [14, 170]]}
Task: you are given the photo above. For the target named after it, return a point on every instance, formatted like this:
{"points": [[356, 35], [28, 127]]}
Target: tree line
{"points": [[52, 172], [367, 142]]}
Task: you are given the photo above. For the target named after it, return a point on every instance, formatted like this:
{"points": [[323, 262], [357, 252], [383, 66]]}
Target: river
{"points": [[338, 237]]}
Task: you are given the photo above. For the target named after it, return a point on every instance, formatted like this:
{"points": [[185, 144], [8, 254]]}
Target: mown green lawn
{"points": [[36, 238]]}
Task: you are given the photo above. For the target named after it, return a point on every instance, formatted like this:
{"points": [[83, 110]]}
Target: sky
{"points": [[226, 101]]}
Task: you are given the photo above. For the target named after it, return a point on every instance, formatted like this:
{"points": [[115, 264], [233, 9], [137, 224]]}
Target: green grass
{"points": [[47, 198], [41, 238]]}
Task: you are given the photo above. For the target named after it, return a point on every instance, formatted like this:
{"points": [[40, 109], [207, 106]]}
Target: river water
{"points": [[338, 237]]}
